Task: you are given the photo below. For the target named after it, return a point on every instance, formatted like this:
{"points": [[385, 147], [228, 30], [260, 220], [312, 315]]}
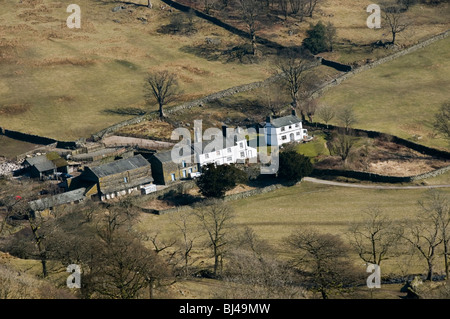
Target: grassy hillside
{"points": [[401, 96], [66, 83], [329, 209]]}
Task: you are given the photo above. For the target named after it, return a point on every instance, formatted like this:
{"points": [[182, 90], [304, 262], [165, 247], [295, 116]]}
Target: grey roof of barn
{"points": [[42, 163], [46, 162], [285, 120], [120, 166], [56, 200]]}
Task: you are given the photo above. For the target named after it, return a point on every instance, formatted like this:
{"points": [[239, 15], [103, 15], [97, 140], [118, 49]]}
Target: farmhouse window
{"points": [[229, 150], [229, 158], [283, 129], [283, 137], [242, 154]]}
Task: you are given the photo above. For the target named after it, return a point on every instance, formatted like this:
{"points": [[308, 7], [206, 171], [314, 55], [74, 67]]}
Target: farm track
{"points": [[332, 183]]}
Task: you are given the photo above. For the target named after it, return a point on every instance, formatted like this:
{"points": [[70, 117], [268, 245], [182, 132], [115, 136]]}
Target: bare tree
{"points": [[251, 11], [424, 235], [118, 262], [394, 15], [251, 265], [442, 120], [437, 206], [216, 219], [347, 117], [122, 268], [330, 35], [184, 223], [163, 87], [326, 113], [284, 7], [323, 260], [297, 6], [341, 145], [274, 99], [309, 107], [293, 69], [310, 7], [375, 237]]}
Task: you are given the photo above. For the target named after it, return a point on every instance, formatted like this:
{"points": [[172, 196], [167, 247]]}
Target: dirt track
{"points": [[332, 183]]}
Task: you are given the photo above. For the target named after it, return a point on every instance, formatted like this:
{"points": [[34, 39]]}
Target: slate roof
{"points": [[60, 199], [120, 166], [284, 121], [166, 156], [212, 146], [47, 162], [41, 163]]}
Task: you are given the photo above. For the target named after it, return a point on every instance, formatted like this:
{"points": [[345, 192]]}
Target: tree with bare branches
{"points": [[216, 218], [322, 259], [341, 145], [293, 69], [163, 87], [437, 206], [395, 17], [326, 113], [184, 221], [442, 121], [374, 238], [251, 11], [347, 117], [424, 235]]}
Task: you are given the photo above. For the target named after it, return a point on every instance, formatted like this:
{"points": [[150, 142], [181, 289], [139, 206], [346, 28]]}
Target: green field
{"points": [[316, 147], [400, 97]]}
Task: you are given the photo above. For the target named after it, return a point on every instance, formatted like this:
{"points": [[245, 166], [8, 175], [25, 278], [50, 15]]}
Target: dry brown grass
{"points": [[51, 60], [156, 128], [14, 109]]}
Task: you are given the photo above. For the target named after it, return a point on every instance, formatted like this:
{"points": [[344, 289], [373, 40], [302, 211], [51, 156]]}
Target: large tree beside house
{"points": [[294, 166], [216, 180]]}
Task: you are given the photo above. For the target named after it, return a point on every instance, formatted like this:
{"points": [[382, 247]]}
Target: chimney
{"points": [[224, 130], [269, 119], [197, 135], [294, 112]]}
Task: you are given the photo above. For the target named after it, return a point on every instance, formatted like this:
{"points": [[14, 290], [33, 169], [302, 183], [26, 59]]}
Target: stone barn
{"points": [[165, 171], [117, 178], [46, 165]]}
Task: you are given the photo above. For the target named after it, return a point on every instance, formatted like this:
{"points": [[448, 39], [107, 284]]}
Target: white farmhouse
{"points": [[284, 129], [223, 150]]}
